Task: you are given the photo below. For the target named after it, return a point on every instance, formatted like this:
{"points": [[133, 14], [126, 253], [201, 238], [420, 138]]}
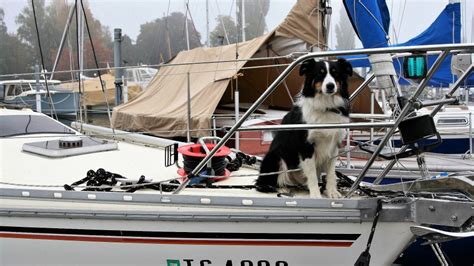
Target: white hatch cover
{"points": [[69, 146]]}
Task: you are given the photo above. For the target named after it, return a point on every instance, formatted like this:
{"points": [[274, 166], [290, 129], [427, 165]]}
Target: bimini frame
{"points": [[443, 50]]}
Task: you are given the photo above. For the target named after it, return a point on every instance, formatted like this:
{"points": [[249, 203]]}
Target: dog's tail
{"points": [[270, 164]]}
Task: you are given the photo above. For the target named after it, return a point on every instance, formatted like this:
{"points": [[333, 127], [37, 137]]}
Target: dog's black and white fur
{"points": [[324, 99]]}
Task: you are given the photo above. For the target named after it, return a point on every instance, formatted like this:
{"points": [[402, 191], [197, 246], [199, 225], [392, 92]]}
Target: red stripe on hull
{"points": [[179, 241]]}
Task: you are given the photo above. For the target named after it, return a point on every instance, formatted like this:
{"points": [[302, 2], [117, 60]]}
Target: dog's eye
{"points": [[323, 71], [333, 70]]}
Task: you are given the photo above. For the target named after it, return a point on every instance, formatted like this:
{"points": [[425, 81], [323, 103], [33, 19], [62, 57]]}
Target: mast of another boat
{"points": [[207, 24], [63, 38], [118, 65], [38, 96], [243, 21], [186, 6]]}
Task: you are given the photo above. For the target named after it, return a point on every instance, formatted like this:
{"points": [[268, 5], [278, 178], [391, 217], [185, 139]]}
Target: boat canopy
{"points": [[92, 91], [162, 109]]}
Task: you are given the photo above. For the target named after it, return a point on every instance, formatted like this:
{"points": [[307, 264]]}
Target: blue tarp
{"points": [[370, 19]]}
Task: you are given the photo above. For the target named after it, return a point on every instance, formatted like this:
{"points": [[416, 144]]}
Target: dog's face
{"points": [[326, 77]]}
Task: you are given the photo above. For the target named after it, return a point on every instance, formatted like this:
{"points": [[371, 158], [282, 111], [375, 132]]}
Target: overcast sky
{"points": [[409, 17]]}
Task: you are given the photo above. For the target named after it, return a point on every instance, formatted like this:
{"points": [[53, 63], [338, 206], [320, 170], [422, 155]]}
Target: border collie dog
{"points": [[324, 99]]}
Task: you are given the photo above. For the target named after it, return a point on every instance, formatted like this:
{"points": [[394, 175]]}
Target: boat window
{"points": [[145, 75], [130, 75], [2, 91], [12, 90], [14, 125], [459, 121]]}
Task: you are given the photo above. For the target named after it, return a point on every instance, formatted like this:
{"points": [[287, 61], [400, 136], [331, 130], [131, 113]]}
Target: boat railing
{"points": [[444, 50]]}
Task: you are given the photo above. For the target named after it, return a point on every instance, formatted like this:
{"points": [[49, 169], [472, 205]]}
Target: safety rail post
{"points": [[188, 126], [470, 135], [214, 126], [348, 149], [37, 89]]}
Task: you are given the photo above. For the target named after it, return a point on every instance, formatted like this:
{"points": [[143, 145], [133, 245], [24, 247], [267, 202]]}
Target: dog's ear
{"points": [[345, 66], [306, 66]]}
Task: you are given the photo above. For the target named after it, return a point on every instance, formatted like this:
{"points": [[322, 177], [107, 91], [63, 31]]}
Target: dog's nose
{"points": [[330, 87]]}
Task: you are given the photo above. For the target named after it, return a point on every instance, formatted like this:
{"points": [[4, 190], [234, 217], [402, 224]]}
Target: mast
{"points": [[243, 21], [38, 96], [207, 23], [117, 65], [373, 33], [63, 38], [81, 41], [186, 22]]}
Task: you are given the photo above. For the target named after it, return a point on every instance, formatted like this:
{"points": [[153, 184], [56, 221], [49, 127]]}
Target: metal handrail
{"points": [[317, 126], [399, 119], [445, 48], [456, 85]]}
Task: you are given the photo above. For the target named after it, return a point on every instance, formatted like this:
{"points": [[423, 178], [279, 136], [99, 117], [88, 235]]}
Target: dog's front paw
{"points": [[315, 194], [332, 193]]}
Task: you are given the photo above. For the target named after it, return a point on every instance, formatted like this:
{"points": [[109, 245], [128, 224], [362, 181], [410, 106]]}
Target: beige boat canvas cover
{"points": [[162, 109], [92, 91], [304, 22]]}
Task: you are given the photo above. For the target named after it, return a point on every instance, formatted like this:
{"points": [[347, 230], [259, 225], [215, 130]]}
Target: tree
{"points": [[129, 53], [49, 34], [14, 55], [51, 21], [164, 37], [255, 13], [3, 27], [345, 35], [218, 36]]}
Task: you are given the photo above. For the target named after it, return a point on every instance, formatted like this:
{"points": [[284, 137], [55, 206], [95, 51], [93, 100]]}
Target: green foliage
{"points": [[3, 27], [48, 32], [218, 36], [14, 55], [255, 13], [129, 53], [255, 25], [51, 21], [162, 39]]}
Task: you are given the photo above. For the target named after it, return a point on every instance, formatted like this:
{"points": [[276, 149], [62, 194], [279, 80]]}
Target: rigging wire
{"points": [[402, 15], [392, 25], [97, 65], [186, 32], [79, 80], [191, 17], [48, 94], [222, 22]]}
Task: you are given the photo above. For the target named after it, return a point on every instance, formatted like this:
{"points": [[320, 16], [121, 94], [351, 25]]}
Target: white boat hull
{"points": [[98, 242]]}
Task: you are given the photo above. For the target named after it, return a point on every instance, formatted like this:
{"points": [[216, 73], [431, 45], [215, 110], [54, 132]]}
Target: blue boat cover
{"points": [[371, 19]]}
